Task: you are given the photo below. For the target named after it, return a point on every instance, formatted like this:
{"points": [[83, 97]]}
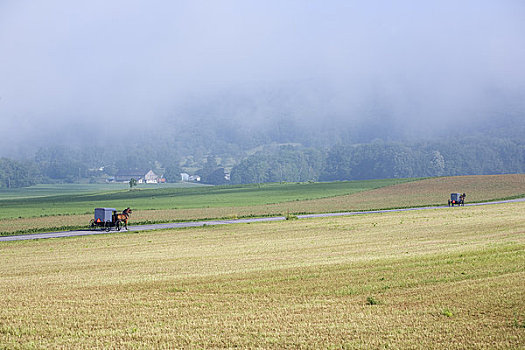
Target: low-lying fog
{"points": [[99, 72]]}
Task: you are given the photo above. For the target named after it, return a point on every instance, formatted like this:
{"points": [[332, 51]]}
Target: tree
{"points": [[18, 174], [212, 173], [287, 163], [132, 183], [217, 177], [172, 173], [61, 163], [437, 164]]}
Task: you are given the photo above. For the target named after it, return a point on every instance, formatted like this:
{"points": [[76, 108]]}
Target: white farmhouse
{"points": [[142, 176]]}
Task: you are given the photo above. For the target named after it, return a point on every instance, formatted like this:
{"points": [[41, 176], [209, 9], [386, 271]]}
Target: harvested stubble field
{"points": [[441, 279], [364, 196]]}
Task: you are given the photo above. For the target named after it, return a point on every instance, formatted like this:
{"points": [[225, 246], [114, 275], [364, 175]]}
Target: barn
{"points": [[142, 176]]}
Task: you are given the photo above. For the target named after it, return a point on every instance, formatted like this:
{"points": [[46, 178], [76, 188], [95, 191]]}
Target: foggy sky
{"points": [[69, 68]]}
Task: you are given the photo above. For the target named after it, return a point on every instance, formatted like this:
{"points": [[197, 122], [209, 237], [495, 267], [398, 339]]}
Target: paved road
{"points": [[225, 222]]}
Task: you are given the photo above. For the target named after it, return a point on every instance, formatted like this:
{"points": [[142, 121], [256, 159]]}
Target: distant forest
{"points": [[275, 162]]}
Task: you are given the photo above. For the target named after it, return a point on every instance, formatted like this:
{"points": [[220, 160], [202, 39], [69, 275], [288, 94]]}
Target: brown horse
{"points": [[124, 216]]}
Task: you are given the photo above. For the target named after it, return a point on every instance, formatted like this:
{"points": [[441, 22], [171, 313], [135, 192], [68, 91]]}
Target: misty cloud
{"points": [[80, 71]]}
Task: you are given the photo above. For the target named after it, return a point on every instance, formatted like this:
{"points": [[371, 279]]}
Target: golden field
{"points": [[451, 278]]}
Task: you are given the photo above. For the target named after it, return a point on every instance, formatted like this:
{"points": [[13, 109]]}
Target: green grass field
{"points": [[451, 278], [69, 200], [44, 190]]}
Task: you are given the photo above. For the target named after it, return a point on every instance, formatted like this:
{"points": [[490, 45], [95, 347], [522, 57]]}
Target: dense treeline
{"points": [[467, 156], [288, 163], [18, 174], [379, 159], [383, 160]]}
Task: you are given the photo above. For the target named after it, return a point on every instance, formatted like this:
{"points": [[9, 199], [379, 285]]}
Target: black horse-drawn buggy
{"points": [[108, 218], [456, 199]]}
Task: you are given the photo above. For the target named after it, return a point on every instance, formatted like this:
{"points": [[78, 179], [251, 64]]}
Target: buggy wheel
{"points": [[107, 227]]}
